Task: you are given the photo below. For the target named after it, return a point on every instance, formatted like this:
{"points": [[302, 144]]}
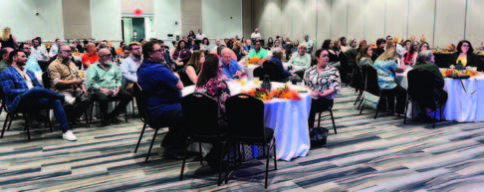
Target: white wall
{"points": [[217, 21], [106, 19], [19, 16], [371, 19], [166, 13]]}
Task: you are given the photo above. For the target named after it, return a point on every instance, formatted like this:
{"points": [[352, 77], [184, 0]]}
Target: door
{"points": [[138, 28]]}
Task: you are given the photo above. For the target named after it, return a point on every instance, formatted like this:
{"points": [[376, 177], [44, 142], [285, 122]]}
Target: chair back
{"points": [[421, 87], [268, 68], [46, 79], [371, 79], [141, 103], [200, 113], [245, 116]]}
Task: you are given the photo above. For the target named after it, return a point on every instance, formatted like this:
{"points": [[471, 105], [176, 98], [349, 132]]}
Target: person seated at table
{"points": [[23, 93], [258, 51], [212, 83], [411, 55], [333, 55], [231, 69], [423, 46], [277, 43], [324, 82], [189, 73], [238, 50], [300, 61], [104, 83], [248, 46], [380, 48], [270, 43], [364, 56], [465, 56], [182, 54], [162, 90], [218, 43], [386, 65], [122, 56], [205, 44], [295, 46], [193, 45], [5, 62], [65, 79], [425, 61], [276, 58], [91, 56], [130, 66]]}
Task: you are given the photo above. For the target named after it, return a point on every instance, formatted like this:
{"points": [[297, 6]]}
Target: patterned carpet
{"points": [[365, 155]]}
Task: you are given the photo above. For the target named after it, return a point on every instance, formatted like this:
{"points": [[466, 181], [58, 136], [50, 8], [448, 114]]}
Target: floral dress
{"points": [[218, 89], [322, 81]]}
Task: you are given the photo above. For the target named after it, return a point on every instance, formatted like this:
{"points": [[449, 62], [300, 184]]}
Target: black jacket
{"points": [[472, 60]]}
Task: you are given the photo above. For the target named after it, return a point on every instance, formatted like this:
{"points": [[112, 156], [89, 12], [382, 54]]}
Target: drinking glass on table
{"points": [[243, 82]]}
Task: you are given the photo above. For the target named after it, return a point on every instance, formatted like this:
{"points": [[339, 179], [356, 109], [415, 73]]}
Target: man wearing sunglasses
{"points": [[104, 80]]}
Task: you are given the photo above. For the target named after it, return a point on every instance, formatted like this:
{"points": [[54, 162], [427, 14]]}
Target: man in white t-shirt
{"points": [[256, 35]]}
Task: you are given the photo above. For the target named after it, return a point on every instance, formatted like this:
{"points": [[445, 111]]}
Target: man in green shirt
{"points": [[5, 63], [104, 82], [258, 51]]}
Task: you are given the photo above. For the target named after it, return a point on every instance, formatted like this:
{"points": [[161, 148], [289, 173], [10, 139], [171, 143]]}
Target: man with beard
{"points": [[130, 66], [23, 93], [104, 82], [66, 80], [32, 63], [5, 63], [40, 53]]}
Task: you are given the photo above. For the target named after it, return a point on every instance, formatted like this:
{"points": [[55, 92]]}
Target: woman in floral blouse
{"points": [[212, 82], [324, 82]]}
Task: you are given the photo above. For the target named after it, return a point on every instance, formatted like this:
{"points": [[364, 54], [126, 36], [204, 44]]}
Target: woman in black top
{"points": [[189, 73], [328, 45], [465, 55], [7, 39], [191, 35], [270, 43]]}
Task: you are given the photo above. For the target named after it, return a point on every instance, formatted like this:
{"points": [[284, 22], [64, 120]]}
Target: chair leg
{"points": [[132, 107], [49, 121], [5, 124], [221, 165], [10, 122], [27, 125], [377, 107], [332, 119], [200, 150], [267, 168], [362, 106], [405, 113], [435, 119], [275, 154], [151, 145], [126, 114], [184, 159], [140, 137]]}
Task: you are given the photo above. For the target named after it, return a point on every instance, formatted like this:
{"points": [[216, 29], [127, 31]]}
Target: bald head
{"points": [[104, 56], [65, 53]]}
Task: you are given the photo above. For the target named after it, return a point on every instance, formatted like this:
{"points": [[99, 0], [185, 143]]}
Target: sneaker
{"points": [[69, 135]]}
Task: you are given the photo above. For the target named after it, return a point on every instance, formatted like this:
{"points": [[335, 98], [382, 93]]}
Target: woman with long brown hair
{"points": [[7, 39], [387, 64], [189, 73], [364, 56]]}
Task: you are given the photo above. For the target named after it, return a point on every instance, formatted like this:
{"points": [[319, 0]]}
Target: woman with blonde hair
{"points": [[387, 64], [7, 39], [189, 73]]}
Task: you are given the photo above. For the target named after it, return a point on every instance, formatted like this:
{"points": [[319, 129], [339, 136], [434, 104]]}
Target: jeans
{"points": [[39, 98], [318, 105], [124, 97]]}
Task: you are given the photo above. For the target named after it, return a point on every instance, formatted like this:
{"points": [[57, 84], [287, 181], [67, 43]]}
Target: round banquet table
{"points": [[288, 118], [463, 103]]}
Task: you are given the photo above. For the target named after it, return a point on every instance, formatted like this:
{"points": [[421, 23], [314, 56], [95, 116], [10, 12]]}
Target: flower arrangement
{"points": [[454, 72], [283, 93]]}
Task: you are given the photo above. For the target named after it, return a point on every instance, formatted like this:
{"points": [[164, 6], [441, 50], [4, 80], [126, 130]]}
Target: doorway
{"points": [[136, 28]]}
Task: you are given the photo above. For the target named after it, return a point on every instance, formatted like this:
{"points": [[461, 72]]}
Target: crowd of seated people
{"points": [[111, 74]]}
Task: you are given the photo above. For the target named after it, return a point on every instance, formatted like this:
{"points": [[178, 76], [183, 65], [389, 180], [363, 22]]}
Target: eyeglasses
{"points": [[68, 51], [134, 49], [106, 55], [159, 50], [325, 55], [465, 45]]}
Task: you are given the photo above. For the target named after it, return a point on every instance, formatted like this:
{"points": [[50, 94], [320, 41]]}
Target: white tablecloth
{"points": [[465, 105], [289, 119]]}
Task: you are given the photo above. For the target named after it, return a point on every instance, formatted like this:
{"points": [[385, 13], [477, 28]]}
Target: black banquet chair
{"points": [[200, 113], [421, 90], [372, 87], [245, 116], [144, 116]]}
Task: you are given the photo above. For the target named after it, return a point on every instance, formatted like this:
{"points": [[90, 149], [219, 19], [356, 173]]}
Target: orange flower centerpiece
{"points": [[283, 93], [456, 73]]}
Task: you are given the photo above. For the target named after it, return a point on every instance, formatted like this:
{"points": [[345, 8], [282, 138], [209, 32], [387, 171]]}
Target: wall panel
{"points": [[449, 22], [106, 19], [324, 22], [421, 19], [356, 19], [475, 26], [396, 18], [338, 18], [375, 19], [309, 19]]}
